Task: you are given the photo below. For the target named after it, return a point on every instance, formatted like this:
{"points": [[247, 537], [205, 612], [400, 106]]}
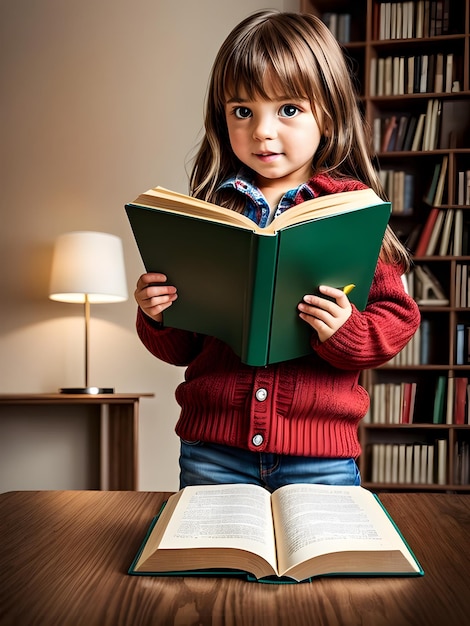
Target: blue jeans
{"points": [[212, 464]]}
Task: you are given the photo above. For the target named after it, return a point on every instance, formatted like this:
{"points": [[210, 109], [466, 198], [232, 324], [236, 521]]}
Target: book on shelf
{"points": [[389, 134], [431, 73], [418, 136], [409, 464], [424, 74], [401, 463], [412, 463], [445, 243], [431, 125], [463, 187], [416, 74], [426, 232], [458, 241], [399, 188], [388, 76], [418, 19], [458, 283], [393, 403], [462, 286], [399, 84], [426, 344], [439, 73], [460, 400], [242, 283], [438, 416], [417, 462], [409, 399], [299, 532], [425, 464], [403, 122], [418, 59], [339, 24], [410, 76], [442, 234], [373, 76], [462, 463], [437, 201], [435, 125], [462, 344], [449, 73], [429, 235], [431, 192], [380, 82], [442, 461], [435, 235], [385, 20], [377, 456], [450, 400], [429, 468], [410, 133]]}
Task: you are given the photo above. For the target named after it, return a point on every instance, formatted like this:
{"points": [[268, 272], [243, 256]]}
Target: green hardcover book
{"points": [[242, 284], [438, 416]]}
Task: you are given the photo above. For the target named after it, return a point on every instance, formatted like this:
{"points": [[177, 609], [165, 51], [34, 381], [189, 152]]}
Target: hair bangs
{"points": [[270, 68]]}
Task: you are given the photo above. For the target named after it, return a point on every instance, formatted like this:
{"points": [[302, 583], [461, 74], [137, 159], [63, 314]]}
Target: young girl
{"points": [[281, 126]]}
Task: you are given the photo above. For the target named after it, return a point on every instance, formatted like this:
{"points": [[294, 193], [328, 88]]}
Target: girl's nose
{"points": [[264, 128]]}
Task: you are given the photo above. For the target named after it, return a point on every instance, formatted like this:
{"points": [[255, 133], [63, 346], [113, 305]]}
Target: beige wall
{"points": [[101, 99]]}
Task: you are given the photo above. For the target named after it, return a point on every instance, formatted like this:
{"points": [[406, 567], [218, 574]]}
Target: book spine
{"points": [[257, 330]]}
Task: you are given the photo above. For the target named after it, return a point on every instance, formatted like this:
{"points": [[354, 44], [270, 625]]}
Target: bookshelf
{"points": [[412, 64]]}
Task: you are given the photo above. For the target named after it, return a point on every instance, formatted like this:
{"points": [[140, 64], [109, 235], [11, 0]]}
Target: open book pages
{"points": [[300, 531], [322, 206]]}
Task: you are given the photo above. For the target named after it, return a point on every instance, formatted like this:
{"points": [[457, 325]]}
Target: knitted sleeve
{"points": [[178, 347], [371, 338]]}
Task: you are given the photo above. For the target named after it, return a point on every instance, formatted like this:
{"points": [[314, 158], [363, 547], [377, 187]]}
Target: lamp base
{"points": [[87, 390]]}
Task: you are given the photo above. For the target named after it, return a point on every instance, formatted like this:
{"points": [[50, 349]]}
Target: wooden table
{"points": [[123, 424], [64, 557]]}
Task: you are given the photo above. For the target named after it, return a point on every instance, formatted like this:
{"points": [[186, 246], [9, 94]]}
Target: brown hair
{"points": [[303, 60]]}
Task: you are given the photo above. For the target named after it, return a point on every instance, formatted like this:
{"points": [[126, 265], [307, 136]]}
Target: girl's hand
{"points": [[324, 315], [152, 296]]}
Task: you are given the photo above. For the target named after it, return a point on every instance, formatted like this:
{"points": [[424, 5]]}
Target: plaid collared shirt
{"points": [[256, 206]]}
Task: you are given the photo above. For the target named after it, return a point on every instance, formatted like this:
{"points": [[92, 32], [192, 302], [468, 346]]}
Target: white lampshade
{"points": [[88, 264]]}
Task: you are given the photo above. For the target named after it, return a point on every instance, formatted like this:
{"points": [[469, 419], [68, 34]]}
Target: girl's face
{"points": [[277, 138]]}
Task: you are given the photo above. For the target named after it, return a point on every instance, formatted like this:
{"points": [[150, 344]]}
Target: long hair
{"points": [[302, 60]]}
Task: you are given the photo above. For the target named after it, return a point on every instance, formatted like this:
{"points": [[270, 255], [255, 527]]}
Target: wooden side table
{"points": [[123, 423]]}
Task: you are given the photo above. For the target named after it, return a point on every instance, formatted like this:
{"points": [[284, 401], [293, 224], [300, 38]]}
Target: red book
{"points": [[409, 394], [426, 232], [460, 399], [390, 128]]}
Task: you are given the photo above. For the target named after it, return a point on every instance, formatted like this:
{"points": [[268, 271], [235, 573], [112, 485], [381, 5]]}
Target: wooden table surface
{"points": [[64, 557]]}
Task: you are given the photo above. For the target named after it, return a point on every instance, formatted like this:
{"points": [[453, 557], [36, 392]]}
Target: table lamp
{"points": [[88, 268]]}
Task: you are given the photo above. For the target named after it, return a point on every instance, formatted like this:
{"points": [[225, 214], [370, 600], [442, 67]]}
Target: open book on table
{"points": [[241, 283], [299, 532]]}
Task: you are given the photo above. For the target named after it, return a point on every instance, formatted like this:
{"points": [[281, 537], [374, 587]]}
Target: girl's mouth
{"points": [[267, 157]]}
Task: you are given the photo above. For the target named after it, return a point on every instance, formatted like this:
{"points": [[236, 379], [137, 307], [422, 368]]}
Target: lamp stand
{"points": [[86, 389]]}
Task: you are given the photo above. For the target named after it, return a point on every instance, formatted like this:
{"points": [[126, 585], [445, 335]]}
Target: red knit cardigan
{"points": [[309, 406]]}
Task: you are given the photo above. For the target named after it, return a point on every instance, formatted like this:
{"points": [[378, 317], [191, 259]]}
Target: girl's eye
{"points": [[242, 112], [288, 110]]}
